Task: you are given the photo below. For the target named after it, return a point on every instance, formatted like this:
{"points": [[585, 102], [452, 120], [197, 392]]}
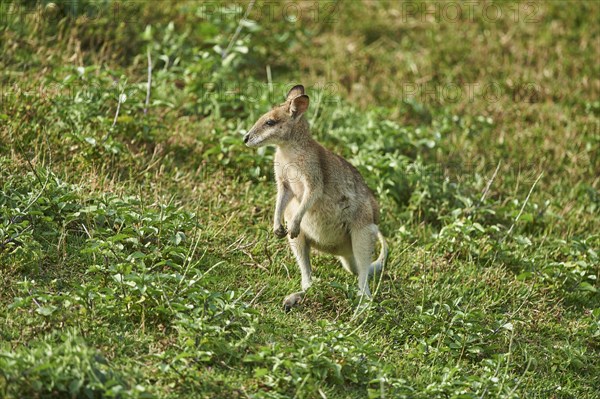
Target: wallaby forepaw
{"points": [[294, 231], [292, 300], [280, 232]]}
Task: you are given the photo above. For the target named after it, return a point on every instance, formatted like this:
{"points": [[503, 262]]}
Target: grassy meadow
{"points": [[136, 253]]}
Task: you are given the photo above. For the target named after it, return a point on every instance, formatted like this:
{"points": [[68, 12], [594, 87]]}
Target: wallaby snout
{"points": [[258, 137], [251, 139]]}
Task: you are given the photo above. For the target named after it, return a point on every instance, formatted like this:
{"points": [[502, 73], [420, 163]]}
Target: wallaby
{"points": [[324, 199]]}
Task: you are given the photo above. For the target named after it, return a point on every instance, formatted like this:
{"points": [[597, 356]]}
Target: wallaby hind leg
{"points": [[301, 251], [349, 263], [363, 244]]}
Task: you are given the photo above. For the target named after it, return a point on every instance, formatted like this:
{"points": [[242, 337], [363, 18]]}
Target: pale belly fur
{"points": [[324, 226]]}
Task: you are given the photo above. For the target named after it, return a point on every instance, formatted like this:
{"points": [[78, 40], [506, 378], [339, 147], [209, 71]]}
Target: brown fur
{"points": [[324, 200]]}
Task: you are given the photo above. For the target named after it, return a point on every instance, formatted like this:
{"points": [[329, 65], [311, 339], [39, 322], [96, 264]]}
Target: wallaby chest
{"points": [[291, 168]]}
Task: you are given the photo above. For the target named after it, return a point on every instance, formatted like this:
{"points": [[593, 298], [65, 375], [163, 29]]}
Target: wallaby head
{"points": [[278, 125]]}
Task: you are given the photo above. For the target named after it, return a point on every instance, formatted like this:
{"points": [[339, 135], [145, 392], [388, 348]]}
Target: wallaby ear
{"points": [[294, 92], [299, 105]]}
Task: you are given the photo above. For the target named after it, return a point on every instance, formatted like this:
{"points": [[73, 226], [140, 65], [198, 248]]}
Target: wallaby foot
{"points": [[292, 300]]}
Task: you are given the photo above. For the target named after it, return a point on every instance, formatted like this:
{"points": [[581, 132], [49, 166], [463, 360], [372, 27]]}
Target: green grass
{"points": [[136, 252]]}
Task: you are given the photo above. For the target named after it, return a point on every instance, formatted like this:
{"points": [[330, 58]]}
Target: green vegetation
{"points": [[136, 256]]}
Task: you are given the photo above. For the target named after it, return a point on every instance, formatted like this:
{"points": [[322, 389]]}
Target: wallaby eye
{"points": [[271, 122]]}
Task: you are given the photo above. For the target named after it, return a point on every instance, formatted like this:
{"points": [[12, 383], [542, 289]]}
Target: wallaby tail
{"points": [[377, 266]]}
